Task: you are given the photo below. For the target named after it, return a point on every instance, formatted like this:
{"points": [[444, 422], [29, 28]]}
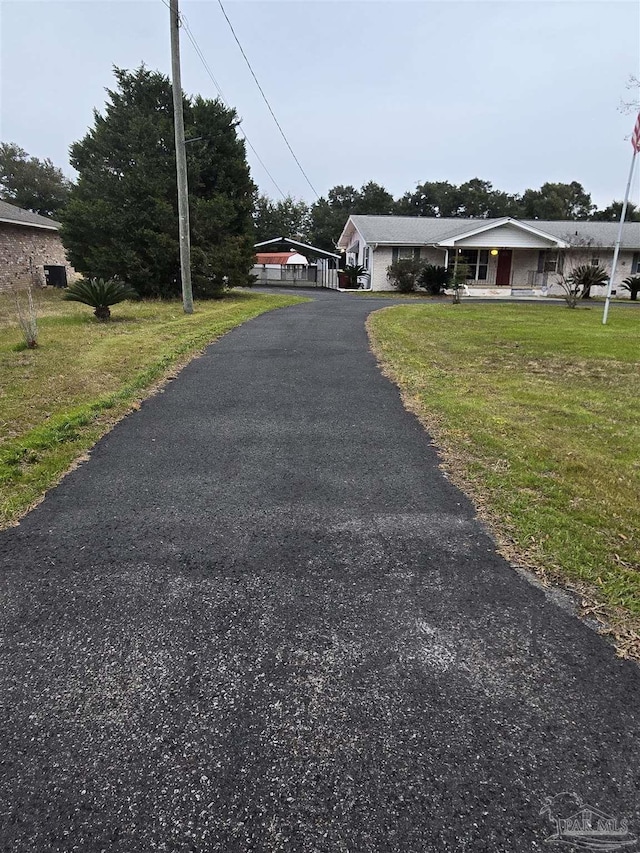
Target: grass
{"points": [[537, 411], [57, 400]]}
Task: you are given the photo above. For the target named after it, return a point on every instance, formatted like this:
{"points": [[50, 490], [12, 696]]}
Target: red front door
{"points": [[503, 273]]}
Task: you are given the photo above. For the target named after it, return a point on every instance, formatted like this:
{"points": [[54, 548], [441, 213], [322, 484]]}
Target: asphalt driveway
{"points": [[261, 619]]}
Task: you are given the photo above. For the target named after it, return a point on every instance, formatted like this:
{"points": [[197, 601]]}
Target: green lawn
{"points": [[57, 400], [537, 411]]}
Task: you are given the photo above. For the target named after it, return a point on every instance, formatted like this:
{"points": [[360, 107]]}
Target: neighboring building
{"points": [[278, 259], [31, 251], [281, 261], [521, 256]]}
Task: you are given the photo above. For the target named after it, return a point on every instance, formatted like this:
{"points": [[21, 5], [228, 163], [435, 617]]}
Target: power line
{"points": [[266, 100], [201, 56]]}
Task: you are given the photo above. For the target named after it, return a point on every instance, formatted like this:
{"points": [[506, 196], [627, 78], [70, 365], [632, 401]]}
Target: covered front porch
{"points": [[508, 258]]}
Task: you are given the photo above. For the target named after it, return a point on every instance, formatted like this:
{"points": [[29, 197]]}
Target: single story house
{"points": [[31, 252], [521, 257]]}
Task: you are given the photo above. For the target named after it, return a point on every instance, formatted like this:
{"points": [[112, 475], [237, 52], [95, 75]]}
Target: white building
{"points": [[502, 255]]}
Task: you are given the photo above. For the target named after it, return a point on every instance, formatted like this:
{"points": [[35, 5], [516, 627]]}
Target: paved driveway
{"points": [[260, 619]]}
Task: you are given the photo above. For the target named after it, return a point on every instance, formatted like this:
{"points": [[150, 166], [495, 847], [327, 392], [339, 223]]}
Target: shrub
{"points": [[353, 272], [403, 274], [585, 277], [434, 278], [100, 294], [632, 284], [28, 319]]}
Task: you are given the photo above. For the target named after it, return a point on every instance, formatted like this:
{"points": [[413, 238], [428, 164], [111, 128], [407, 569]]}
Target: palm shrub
{"points": [[585, 276], [353, 273], [632, 284], [100, 294], [434, 278]]}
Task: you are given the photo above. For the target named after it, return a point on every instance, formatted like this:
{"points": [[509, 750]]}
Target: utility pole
{"points": [[181, 161]]}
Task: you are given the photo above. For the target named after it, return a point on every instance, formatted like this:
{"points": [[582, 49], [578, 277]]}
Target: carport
{"points": [[322, 270]]}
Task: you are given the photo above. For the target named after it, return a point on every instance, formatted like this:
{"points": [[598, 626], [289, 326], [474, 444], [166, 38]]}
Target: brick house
{"points": [[31, 251]]}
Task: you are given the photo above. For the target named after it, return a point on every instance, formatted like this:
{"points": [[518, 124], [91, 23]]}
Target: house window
{"points": [[550, 260], [365, 257], [635, 264], [405, 253], [595, 262], [476, 261]]}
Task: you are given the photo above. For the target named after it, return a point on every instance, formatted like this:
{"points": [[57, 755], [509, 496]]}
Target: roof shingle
{"points": [[423, 230], [18, 216]]}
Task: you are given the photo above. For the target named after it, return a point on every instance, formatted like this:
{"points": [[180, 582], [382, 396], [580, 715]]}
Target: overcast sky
{"points": [[517, 93]]}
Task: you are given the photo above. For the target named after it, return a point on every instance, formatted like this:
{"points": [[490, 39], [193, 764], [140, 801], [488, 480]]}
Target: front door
{"points": [[503, 273]]}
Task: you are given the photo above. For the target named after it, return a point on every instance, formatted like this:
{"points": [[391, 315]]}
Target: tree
{"points": [[329, 215], [33, 184], [374, 200], [613, 212], [121, 220], [477, 199], [557, 201], [286, 218], [433, 198]]}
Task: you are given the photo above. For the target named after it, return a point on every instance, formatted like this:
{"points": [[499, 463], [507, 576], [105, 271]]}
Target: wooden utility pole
{"points": [[181, 161]]}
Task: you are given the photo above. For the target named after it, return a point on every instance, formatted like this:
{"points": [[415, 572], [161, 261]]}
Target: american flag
{"points": [[635, 137]]}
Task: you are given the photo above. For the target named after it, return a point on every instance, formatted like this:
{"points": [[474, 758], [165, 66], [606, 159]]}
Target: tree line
{"points": [[322, 222]]}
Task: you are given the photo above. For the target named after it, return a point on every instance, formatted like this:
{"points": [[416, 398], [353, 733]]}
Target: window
{"points": [[595, 262], [550, 260], [635, 264], [405, 254], [476, 261], [365, 257]]}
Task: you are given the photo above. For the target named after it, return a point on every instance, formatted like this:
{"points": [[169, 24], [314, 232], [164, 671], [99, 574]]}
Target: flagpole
{"points": [[616, 250], [635, 142]]}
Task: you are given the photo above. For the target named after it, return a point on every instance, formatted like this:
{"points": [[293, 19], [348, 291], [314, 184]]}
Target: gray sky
{"points": [[517, 93]]}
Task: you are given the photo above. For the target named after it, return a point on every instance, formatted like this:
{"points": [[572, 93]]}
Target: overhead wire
{"points": [[185, 25], [266, 100]]}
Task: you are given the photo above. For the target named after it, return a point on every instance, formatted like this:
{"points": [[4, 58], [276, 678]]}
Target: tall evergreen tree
{"points": [[121, 219]]}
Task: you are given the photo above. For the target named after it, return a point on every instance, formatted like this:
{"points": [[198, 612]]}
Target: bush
{"points": [[100, 294], [434, 279], [585, 277], [353, 272], [403, 274], [632, 284]]}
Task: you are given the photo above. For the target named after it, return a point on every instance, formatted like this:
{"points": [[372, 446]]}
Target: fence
{"points": [[292, 275]]}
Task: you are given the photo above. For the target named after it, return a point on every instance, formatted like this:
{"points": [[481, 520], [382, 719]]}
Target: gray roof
{"points": [[11, 213], [289, 242], [424, 230]]}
